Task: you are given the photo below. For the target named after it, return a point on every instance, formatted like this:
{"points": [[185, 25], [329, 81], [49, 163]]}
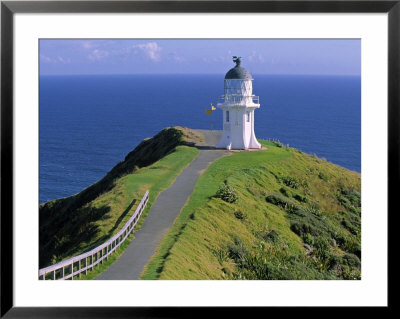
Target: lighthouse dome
{"points": [[238, 72]]}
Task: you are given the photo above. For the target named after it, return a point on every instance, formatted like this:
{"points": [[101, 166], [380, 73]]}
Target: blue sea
{"points": [[89, 123]]}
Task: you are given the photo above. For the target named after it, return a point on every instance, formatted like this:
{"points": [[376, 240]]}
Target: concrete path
{"points": [[163, 213]]}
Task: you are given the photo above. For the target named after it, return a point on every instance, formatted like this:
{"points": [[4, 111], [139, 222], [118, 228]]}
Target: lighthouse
{"points": [[238, 104]]}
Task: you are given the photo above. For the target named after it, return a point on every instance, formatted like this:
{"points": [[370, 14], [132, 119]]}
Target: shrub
{"points": [[285, 203], [322, 249], [278, 144], [236, 250], [283, 191], [346, 224], [352, 195], [323, 176], [313, 210], [270, 236], [221, 255], [277, 200], [352, 246], [308, 239], [226, 193], [300, 198], [239, 215], [301, 229], [352, 261], [291, 182]]}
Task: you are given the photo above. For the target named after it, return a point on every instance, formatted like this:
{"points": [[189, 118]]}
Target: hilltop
{"points": [[277, 213], [272, 214]]}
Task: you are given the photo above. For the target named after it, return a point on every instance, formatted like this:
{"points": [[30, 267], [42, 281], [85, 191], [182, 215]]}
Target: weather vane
{"points": [[237, 60]]}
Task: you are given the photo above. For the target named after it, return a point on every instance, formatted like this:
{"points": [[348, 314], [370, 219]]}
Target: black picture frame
{"points": [[9, 8]]}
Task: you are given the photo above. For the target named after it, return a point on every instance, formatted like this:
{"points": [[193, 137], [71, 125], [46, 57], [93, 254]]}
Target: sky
{"points": [[203, 56]]}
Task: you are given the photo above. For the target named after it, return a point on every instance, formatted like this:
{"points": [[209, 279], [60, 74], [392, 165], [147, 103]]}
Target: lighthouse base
{"points": [[238, 143]]}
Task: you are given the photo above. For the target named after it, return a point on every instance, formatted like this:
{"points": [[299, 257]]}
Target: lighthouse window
{"points": [[248, 116], [227, 116]]}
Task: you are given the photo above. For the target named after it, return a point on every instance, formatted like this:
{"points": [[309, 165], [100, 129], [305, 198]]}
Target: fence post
{"points": [[108, 249]]}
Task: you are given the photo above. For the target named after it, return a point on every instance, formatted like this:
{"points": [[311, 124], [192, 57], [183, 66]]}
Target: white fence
{"points": [[74, 266]]}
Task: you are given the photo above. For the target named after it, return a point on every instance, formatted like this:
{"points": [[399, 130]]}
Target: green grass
{"points": [[70, 232], [257, 238]]}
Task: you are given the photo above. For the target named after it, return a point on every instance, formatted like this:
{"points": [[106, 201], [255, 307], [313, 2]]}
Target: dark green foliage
{"points": [[301, 199], [352, 260], [226, 193], [239, 215], [321, 233], [270, 236], [290, 182], [322, 248], [284, 191], [350, 199], [278, 144], [346, 224], [236, 249], [308, 239], [301, 229], [352, 195], [274, 264], [285, 203], [323, 176], [279, 200]]}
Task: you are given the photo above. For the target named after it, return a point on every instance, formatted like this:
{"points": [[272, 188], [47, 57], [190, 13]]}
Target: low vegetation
{"points": [[73, 225], [272, 214]]}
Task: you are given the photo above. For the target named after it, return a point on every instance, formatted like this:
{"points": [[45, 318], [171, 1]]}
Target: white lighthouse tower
{"points": [[238, 104]]}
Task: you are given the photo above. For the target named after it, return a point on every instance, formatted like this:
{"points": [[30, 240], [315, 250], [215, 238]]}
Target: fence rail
{"points": [[74, 266]]}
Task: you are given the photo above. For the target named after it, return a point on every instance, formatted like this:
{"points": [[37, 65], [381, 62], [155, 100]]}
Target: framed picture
{"points": [[35, 41]]}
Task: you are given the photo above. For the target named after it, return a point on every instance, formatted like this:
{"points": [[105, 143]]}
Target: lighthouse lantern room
{"points": [[238, 104]]}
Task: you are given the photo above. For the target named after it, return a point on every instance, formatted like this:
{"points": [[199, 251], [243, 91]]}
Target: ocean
{"points": [[89, 123]]}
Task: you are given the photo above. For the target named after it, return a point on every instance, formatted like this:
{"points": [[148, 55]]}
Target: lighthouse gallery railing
{"points": [[238, 99], [96, 255]]}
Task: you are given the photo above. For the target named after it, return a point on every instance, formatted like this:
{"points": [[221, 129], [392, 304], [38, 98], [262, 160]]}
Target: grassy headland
{"points": [[272, 214], [75, 224]]}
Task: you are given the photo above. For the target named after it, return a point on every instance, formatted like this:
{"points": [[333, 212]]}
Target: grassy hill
{"points": [[272, 214], [75, 224]]}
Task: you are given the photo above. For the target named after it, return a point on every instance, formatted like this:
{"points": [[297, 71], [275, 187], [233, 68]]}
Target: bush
{"points": [[277, 200], [283, 191], [226, 193], [352, 195], [323, 176], [300, 198], [301, 229], [285, 203], [270, 236], [291, 182], [239, 215], [322, 249], [352, 261], [236, 250], [308, 239], [278, 144]]}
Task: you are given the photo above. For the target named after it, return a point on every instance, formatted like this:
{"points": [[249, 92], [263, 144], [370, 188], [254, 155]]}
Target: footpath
{"points": [[163, 213]]}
